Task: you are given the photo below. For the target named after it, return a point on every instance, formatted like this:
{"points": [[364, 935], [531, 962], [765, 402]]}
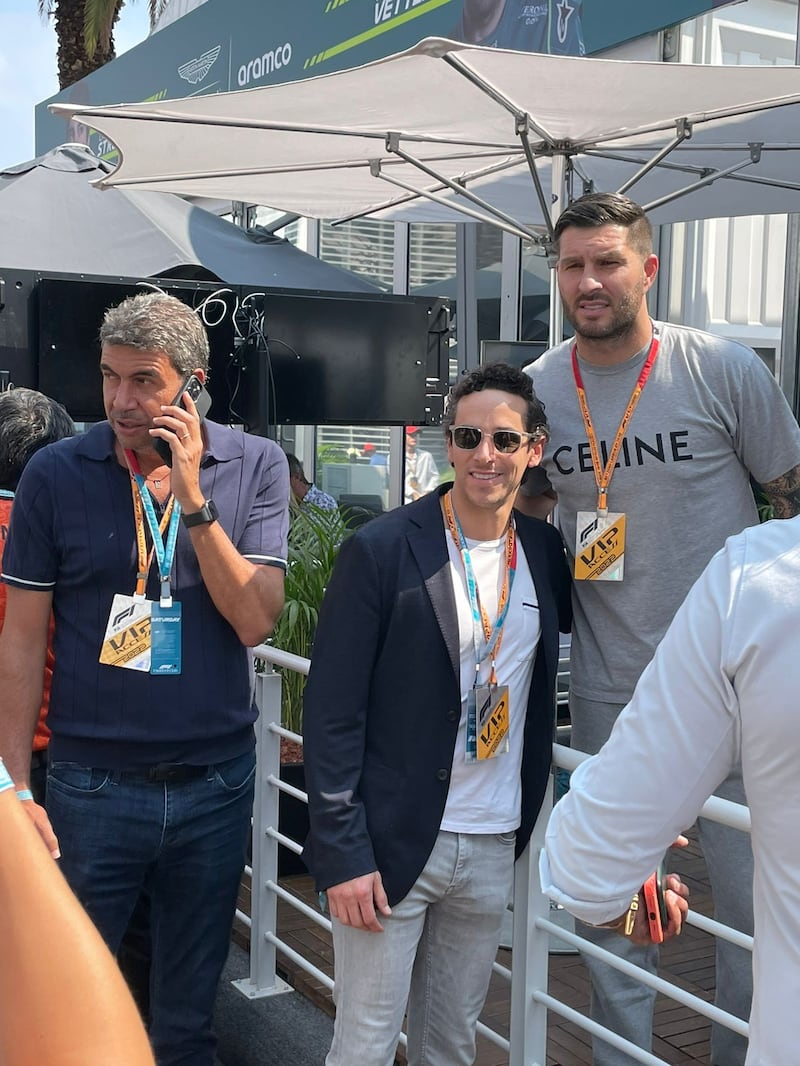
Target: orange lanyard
{"points": [[145, 558], [493, 635], [602, 474]]}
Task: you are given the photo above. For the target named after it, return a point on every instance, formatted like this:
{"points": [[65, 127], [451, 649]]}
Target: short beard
{"points": [[621, 326]]}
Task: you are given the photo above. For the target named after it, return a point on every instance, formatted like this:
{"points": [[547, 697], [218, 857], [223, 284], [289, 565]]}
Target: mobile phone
{"points": [[655, 904], [202, 401]]}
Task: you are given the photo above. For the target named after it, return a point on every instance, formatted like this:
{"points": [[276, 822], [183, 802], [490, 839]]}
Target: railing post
{"points": [[263, 979], [530, 951]]}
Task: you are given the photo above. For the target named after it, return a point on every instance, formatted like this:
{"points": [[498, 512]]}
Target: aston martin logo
{"points": [[196, 69]]}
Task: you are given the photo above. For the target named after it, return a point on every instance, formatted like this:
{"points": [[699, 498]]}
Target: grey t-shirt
{"points": [[710, 415]]}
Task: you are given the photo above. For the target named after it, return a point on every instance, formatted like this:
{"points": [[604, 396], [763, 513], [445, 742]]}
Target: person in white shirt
{"points": [[422, 474], [722, 687]]}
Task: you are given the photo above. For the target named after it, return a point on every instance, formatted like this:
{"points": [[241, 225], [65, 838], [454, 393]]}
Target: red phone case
{"points": [[651, 890]]}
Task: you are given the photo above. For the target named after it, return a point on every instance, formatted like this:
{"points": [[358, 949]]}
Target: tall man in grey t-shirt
{"points": [[687, 419]]}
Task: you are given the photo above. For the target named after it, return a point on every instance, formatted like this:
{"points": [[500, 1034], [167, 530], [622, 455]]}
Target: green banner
{"points": [[241, 44]]}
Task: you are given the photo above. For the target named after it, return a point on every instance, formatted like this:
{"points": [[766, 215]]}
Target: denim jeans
{"points": [[436, 953], [184, 843]]}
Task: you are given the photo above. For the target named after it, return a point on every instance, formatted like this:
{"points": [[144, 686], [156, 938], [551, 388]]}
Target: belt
{"points": [[169, 771]]}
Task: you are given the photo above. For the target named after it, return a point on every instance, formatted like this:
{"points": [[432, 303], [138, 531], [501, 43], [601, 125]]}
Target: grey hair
{"points": [[157, 322]]}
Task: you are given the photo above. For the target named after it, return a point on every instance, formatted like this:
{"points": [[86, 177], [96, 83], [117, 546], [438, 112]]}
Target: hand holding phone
{"points": [[655, 904], [202, 401]]}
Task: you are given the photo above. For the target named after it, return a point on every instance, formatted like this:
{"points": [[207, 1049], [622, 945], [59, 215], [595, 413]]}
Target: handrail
{"points": [[530, 997]]}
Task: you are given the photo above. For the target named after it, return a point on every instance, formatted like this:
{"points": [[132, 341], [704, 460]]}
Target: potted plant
{"points": [[314, 538]]}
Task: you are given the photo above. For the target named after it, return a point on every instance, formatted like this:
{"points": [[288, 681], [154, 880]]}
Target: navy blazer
{"points": [[383, 697]]}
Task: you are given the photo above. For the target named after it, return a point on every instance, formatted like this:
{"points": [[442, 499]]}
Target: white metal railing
{"points": [[530, 999]]}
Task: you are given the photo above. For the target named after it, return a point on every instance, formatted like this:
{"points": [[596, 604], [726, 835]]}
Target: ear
{"points": [[535, 453], [650, 270], [200, 375]]}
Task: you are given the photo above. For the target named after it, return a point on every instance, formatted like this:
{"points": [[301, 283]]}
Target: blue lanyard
{"points": [[165, 553], [485, 641]]}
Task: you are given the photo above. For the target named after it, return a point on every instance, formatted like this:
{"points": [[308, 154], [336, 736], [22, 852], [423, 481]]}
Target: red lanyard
{"points": [[603, 474]]}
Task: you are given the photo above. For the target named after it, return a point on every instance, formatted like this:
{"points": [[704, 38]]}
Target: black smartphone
{"points": [[202, 401]]}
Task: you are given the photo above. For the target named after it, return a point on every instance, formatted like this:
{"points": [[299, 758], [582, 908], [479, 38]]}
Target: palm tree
{"points": [[85, 33]]}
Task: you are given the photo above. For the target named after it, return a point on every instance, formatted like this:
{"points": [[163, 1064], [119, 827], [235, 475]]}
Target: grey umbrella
{"points": [[53, 221]]}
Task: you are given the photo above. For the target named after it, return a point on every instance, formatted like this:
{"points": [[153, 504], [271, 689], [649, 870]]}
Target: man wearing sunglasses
{"points": [[656, 432], [428, 732]]}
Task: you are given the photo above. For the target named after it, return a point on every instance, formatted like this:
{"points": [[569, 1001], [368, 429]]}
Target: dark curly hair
{"points": [[504, 378]]}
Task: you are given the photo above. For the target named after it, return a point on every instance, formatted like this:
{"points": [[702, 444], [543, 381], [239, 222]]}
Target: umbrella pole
{"points": [[557, 204]]}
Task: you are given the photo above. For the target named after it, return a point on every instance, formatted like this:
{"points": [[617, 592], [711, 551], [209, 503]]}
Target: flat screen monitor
{"points": [[70, 312], [517, 353], [346, 359]]}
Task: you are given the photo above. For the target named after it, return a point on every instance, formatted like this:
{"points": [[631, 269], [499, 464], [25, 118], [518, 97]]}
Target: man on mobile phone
{"points": [[656, 431], [160, 579], [429, 715]]}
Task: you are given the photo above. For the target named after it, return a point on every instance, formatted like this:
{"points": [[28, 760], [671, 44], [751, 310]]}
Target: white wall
{"points": [[727, 275]]}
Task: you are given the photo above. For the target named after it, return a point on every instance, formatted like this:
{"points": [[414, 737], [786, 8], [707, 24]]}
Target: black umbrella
{"points": [[53, 221]]}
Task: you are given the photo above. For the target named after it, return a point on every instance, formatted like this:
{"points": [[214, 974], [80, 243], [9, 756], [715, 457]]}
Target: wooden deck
{"points": [[680, 1037]]}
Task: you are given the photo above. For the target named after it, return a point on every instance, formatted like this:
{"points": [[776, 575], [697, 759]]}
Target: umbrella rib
{"points": [[299, 168], [518, 113], [694, 168], [393, 146], [414, 194], [709, 179], [699, 118], [498, 218], [86, 115], [683, 131]]}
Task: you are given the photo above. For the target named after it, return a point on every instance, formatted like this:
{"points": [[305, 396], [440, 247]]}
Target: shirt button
{"points": [[452, 716], [442, 775]]}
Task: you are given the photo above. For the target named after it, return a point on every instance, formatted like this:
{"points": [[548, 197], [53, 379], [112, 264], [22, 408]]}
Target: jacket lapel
{"points": [[537, 564], [429, 547]]}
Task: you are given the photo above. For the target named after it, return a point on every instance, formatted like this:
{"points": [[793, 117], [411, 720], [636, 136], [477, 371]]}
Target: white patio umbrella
{"points": [[445, 122], [496, 135]]}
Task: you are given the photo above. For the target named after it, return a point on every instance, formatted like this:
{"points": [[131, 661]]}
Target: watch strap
{"points": [[207, 514]]}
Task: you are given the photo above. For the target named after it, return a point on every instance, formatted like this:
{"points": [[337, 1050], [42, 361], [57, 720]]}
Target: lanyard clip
{"points": [[166, 593]]}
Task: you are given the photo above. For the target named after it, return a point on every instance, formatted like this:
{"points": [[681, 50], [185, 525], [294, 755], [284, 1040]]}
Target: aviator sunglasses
{"points": [[507, 441]]}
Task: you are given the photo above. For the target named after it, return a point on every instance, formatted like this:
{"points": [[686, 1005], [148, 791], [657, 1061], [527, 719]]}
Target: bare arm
{"points": [[23, 647], [784, 493], [248, 595], [62, 998]]}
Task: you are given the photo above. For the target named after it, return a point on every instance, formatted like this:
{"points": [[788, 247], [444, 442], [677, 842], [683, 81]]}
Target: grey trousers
{"points": [[436, 953], [623, 1005]]}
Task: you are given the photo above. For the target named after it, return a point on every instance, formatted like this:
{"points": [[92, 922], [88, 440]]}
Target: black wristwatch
{"points": [[207, 514]]}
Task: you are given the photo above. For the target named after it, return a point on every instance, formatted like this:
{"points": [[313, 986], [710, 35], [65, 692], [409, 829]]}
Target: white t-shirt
{"points": [[485, 796]]}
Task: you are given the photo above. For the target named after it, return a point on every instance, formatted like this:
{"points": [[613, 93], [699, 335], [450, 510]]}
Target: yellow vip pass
{"points": [[599, 546], [492, 721], [127, 639]]}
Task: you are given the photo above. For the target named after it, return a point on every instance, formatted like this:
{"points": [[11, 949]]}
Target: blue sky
{"points": [[28, 68]]}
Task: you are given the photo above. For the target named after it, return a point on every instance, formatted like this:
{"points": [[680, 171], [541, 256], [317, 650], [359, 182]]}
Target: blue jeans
{"points": [[185, 844], [435, 955]]}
